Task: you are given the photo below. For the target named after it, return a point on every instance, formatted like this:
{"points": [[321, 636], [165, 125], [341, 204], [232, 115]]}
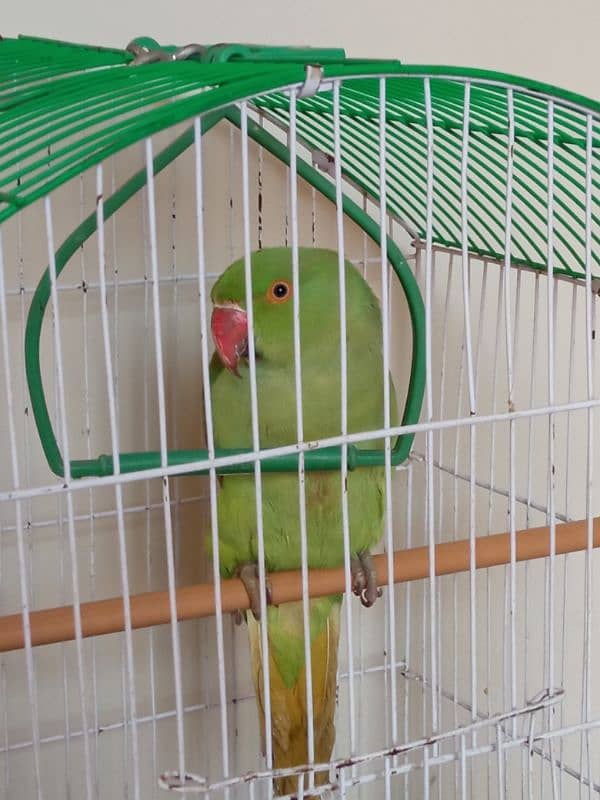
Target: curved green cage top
{"points": [[88, 103]]}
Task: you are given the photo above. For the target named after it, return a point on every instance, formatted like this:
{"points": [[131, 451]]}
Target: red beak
{"points": [[229, 326]]}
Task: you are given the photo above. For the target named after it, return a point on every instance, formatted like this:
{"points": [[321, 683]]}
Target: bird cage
{"points": [[468, 201]]}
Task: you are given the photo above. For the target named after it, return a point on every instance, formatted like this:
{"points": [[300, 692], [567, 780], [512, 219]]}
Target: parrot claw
{"points": [[359, 580], [238, 616], [364, 579], [248, 574]]}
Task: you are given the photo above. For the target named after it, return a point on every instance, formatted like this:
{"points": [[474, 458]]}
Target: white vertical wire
{"points": [[480, 322], [385, 322], [464, 186], [256, 441], [92, 522], [127, 666], [26, 467], [407, 616], [114, 441], [387, 776], [517, 324], [463, 769], [534, 349], [337, 148], [532, 385], [70, 513], [151, 637], [551, 423], [422, 606], [360, 652], [231, 227], [441, 508], [424, 655], [4, 696], [429, 412], [20, 536], [125, 740], [510, 380], [162, 420], [210, 442], [530, 759], [478, 349], [495, 371], [491, 496], [500, 754], [27, 416], [488, 592], [62, 576], [566, 595], [588, 589], [516, 352], [343, 784], [550, 333], [443, 376], [426, 768], [115, 287], [292, 146], [148, 517], [466, 287], [175, 294]]}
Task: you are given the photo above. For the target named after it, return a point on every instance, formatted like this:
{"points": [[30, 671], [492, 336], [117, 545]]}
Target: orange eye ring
{"points": [[280, 291]]}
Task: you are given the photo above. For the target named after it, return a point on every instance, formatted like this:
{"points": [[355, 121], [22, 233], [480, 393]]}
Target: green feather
{"points": [[321, 392]]}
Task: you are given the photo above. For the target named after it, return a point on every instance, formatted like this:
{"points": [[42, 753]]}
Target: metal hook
{"points": [[145, 55], [189, 51], [312, 81]]}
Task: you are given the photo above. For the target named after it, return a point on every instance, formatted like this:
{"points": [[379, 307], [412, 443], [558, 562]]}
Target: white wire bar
{"points": [[23, 577], [81, 669], [509, 371], [160, 381], [210, 442], [385, 323], [256, 442], [310, 730], [429, 412], [344, 407], [114, 434]]}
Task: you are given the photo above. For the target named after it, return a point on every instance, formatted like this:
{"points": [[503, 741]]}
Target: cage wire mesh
{"points": [[469, 684]]}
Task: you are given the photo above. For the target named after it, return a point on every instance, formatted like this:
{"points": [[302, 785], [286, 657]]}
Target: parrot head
{"points": [[272, 304]]}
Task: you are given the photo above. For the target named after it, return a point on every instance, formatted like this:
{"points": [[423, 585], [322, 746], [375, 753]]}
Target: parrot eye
{"points": [[279, 292]]}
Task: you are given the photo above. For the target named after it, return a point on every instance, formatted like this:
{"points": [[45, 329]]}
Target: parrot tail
{"points": [[288, 683]]}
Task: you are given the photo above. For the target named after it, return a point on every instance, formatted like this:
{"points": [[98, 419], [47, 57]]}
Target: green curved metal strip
{"points": [[324, 458], [35, 318]]}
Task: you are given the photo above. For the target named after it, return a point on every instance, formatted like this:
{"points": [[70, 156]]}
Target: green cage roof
{"points": [[82, 104]]}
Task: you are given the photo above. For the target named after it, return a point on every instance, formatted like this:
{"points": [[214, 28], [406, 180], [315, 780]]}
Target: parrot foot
{"points": [[248, 574], [364, 578]]}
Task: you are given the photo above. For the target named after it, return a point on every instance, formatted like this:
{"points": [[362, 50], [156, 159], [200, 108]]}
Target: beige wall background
{"points": [[551, 40]]}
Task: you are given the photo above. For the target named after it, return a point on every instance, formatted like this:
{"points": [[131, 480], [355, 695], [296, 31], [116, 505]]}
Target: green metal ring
{"points": [[321, 459]]}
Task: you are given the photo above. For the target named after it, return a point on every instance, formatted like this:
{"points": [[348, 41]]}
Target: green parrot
{"points": [[272, 289]]}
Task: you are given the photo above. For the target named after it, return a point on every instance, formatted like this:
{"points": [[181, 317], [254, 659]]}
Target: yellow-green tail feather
{"points": [[289, 718]]}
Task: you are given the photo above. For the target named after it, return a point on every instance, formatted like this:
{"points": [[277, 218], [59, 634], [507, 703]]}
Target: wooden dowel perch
{"points": [[152, 608]]}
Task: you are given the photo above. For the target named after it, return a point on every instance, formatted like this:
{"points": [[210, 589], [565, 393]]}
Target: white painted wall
{"points": [[550, 40]]}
